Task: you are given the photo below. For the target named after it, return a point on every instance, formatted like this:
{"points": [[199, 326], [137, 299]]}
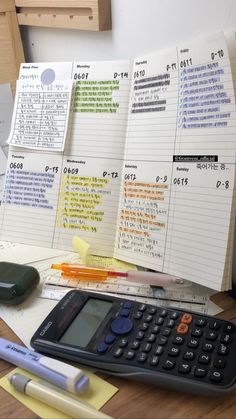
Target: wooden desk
{"points": [[138, 400]]}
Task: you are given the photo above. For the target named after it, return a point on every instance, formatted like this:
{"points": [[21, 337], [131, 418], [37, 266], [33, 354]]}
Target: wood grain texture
{"points": [[7, 6], [137, 400], [11, 50], [94, 15]]}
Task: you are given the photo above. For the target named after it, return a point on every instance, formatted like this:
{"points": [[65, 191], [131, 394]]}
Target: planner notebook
{"points": [[146, 172]]}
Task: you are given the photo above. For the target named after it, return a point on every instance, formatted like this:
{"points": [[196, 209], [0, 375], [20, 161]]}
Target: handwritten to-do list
{"points": [[147, 171], [41, 115]]}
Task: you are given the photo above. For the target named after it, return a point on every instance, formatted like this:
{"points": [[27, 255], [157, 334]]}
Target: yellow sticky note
{"points": [[98, 393], [109, 263], [82, 247]]}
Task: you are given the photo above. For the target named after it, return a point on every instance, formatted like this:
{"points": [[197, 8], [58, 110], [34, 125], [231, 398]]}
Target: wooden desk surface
{"points": [[138, 400]]}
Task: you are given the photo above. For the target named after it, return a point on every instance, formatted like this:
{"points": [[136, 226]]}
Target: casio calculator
{"points": [[181, 350]]}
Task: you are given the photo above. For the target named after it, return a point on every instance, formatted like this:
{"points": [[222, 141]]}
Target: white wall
{"points": [[138, 27]]}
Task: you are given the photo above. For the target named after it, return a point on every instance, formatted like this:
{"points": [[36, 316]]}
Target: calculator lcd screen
{"points": [[86, 322]]}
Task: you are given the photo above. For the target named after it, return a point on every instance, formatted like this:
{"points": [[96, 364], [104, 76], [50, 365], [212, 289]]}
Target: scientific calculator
{"points": [[167, 347]]}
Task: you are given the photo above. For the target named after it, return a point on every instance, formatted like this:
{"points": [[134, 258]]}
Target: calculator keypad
{"points": [[170, 341]]}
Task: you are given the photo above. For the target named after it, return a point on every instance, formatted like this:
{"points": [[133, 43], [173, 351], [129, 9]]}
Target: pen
{"points": [[59, 373], [97, 274], [66, 404]]}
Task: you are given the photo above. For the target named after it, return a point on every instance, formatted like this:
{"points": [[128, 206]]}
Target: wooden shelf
{"points": [[11, 50], [93, 15]]}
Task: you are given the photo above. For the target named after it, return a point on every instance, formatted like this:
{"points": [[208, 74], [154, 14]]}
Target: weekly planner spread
{"points": [[136, 158]]}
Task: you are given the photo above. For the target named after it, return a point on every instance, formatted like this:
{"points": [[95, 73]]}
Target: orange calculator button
{"points": [[186, 318], [182, 329]]}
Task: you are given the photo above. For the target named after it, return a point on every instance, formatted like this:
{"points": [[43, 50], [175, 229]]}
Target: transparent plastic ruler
{"points": [[183, 297]]}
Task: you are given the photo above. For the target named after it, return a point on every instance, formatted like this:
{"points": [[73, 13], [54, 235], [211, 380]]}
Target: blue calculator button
{"points": [[109, 338], [102, 347], [124, 312], [121, 326], [127, 304]]}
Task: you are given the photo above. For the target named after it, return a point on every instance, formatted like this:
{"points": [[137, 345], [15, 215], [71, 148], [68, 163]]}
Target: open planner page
{"points": [[50, 195], [147, 173], [93, 156], [230, 267], [177, 193]]}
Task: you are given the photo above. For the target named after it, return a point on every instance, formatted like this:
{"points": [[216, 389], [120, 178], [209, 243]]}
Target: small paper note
{"points": [[98, 393], [82, 247], [41, 114]]}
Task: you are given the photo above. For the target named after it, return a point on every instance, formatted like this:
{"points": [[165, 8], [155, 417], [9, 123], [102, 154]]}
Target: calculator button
{"points": [[229, 328], [162, 340], [138, 315], [174, 315], [141, 357], [124, 312], [178, 340], [189, 355], [142, 307], [223, 349], [109, 339], [148, 318], [226, 338], [182, 329], [166, 332], [211, 336], [214, 325], [200, 372], [154, 360], [102, 347], [208, 347], [200, 322], [135, 344], [118, 352], [184, 368], [193, 343], [159, 321], [140, 335], [216, 376], [152, 310], [121, 326], [219, 363], [151, 338], [186, 318], [163, 313], [204, 359], [129, 355], [196, 332], [170, 323], [168, 364], [159, 350], [146, 347], [144, 326], [155, 329], [123, 343], [173, 351]]}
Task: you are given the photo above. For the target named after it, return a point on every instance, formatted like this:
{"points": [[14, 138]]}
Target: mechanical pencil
{"points": [[59, 373], [58, 400], [96, 274]]}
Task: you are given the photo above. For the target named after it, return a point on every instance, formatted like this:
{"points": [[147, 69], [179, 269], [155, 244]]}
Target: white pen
{"points": [[88, 273], [66, 404], [158, 279]]}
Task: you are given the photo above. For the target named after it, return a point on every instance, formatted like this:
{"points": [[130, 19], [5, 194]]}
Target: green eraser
{"points": [[16, 282]]}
